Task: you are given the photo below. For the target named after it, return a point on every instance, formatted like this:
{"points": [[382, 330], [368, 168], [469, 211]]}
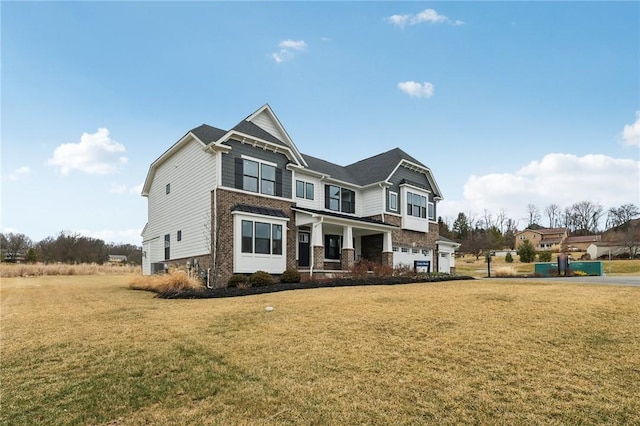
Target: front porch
{"points": [[331, 244]]}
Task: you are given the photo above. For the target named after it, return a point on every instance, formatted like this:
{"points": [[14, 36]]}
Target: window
{"points": [[276, 240], [432, 211], [247, 236], [250, 181], [416, 205], [256, 176], [167, 246], [332, 246], [263, 238], [415, 251], [396, 249], [339, 199], [268, 181], [268, 238], [179, 236], [393, 201], [304, 189], [404, 250], [167, 189]]}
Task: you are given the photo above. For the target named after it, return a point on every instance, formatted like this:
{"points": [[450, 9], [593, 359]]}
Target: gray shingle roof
{"points": [[364, 172], [264, 211], [208, 134], [379, 167]]}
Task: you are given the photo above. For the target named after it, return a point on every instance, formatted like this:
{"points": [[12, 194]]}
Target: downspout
{"points": [[214, 237]]}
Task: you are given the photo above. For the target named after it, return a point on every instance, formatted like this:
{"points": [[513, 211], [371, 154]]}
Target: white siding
{"points": [[318, 192], [264, 121], [191, 174], [371, 202]]}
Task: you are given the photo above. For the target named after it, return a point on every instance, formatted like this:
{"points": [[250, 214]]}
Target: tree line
{"points": [[66, 247], [478, 233]]}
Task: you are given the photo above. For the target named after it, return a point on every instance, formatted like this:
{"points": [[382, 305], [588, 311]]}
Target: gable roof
{"points": [[328, 168], [251, 129], [208, 134]]}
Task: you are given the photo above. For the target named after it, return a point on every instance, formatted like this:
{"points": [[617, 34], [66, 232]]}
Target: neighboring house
{"points": [[246, 199], [543, 238], [117, 258], [579, 243], [612, 249]]}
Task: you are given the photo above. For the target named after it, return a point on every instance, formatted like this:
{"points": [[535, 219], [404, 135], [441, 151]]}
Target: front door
{"points": [[303, 249]]}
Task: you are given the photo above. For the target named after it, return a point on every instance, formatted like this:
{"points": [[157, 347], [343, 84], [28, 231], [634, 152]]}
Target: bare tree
{"points": [[15, 245], [553, 213], [621, 215], [533, 215], [586, 216]]}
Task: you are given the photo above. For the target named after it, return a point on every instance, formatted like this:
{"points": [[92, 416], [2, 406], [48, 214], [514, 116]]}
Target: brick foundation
{"points": [[347, 259]]}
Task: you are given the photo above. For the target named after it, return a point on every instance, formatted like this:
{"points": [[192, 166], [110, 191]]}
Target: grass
{"points": [[176, 280], [468, 265], [10, 270], [88, 350]]}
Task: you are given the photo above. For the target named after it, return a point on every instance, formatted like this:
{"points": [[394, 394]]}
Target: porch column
{"points": [[347, 260], [317, 244], [387, 249]]}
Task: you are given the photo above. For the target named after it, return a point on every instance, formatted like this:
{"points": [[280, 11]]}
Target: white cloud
{"points": [[427, 15], [121, 188], [562, 179], [418, 90], [18, 173], [631, 132], [286, 47], [96, 153]]}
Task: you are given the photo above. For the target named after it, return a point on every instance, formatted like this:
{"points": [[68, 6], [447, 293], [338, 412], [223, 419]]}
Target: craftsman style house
{"points": [[246, 199]]}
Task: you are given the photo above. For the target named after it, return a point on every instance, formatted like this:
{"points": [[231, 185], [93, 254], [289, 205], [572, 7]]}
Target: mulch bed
{"points": [[339, 282]]}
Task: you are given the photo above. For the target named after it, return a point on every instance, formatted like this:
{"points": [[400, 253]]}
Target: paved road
{"points": [[627, 280]]}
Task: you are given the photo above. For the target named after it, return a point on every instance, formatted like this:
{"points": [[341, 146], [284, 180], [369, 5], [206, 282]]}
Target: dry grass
{"points": [[162, 283], [11, 270], [505, 271], [87, 350]]}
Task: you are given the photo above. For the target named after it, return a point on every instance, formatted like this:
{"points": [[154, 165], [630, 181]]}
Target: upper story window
{"points": [[167, 188], [393, 201], [304, 189], [257, 176], [432, 211], [416, 205], [339, 199]]}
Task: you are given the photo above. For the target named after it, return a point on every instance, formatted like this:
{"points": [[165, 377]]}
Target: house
{"points": [[247, 199], [117, 259], [579, 243], [606, 249], [543, 238]]}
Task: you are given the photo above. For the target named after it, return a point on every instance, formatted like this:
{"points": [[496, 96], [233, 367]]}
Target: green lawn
{"points": [[87, 350]]}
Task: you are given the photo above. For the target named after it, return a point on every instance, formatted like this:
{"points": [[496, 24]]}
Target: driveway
{"points": [[627, 280]]}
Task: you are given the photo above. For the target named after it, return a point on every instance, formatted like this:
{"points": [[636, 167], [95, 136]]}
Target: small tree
{"points": [[545, 256], [508, 258], [527, 252]]}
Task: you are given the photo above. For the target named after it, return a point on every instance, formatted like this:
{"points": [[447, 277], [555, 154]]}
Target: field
{"points": [[88, 350]]}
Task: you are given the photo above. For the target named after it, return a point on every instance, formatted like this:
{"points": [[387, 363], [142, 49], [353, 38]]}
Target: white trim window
{"points": [[255, 175], [393, 201], [304, 189], [259, 243]]}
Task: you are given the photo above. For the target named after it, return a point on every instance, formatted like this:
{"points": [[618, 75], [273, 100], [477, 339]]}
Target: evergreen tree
{"points": [[527, 252]]}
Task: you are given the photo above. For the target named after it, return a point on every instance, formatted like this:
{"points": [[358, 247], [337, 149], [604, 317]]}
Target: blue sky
{"points": [[508, 103]]}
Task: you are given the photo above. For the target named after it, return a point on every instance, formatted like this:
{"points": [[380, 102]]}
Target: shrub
{"points": [[505, 271], [290, 276], [361, 269], [260, 278], [403, 270], [527, 252], [380, 270], [237, 280], [545, 256], [579, 273], [508, 258], [166, 283]]}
